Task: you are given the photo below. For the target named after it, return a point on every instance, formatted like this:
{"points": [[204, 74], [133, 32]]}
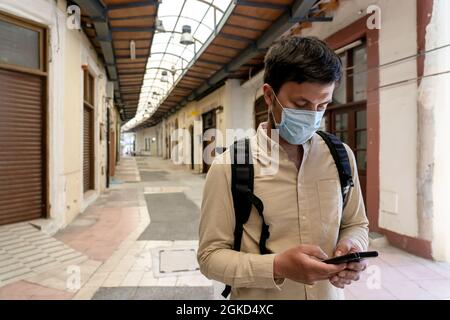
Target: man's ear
{"points": [[268, 94]]}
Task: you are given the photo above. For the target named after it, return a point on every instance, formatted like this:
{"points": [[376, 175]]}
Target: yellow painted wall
{"points": [[72, 124], [77, 49]]}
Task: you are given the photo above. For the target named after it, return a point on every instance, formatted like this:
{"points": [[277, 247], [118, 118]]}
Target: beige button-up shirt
{"points": [[300, 206]]}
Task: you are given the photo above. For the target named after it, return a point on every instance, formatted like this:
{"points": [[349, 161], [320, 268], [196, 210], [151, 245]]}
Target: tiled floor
{"points": [[399, 275], [120, 263], [25, 252], [136, 262]]}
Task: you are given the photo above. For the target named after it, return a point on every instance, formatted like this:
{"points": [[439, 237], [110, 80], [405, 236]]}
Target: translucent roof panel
{"points": [[168, 54]]}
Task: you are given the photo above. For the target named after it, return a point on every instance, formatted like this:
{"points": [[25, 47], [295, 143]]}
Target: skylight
{"points": [[182, 29]]}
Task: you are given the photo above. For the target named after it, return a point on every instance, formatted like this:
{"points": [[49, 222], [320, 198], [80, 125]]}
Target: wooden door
{"points": [[349, 124]]}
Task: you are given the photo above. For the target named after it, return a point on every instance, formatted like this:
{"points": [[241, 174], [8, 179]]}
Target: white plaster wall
{"points": [[398, 119], [147, 133], [238, 110], [435, 96]]}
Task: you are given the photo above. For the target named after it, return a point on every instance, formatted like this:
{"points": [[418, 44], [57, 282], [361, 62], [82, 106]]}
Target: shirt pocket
{"points": [[330, 202]]}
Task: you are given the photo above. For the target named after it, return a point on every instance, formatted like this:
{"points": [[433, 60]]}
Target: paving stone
{"points": [[174, 293], [122, 293], [173, 217], [14, 273]]}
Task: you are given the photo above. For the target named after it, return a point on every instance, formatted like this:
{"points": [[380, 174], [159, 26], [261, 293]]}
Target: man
{"points": [[302, 198]]}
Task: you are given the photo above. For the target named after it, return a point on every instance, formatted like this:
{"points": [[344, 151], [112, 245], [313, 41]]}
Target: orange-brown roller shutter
{"points": [[22, 147], [88, 148]]}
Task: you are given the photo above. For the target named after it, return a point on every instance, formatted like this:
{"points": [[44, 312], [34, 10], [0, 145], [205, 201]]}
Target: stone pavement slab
{"points": [[173, 217], [154, 293]]}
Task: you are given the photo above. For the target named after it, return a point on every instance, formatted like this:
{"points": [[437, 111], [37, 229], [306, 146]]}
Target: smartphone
{"points": [[352, 257]]}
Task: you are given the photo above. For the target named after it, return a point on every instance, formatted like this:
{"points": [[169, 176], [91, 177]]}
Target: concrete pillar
{"points": [[239, 109]]}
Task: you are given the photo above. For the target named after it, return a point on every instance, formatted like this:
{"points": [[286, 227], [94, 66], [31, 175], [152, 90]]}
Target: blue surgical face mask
{"points": [[298, 126]]}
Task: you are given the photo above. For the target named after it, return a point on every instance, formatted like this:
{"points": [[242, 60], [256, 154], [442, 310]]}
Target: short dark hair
{"points": [[301, 59]]}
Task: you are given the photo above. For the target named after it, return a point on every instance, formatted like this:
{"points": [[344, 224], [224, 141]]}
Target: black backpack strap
{"points": [[242, 175], [265, 234], [241, 186], [340, 156]]}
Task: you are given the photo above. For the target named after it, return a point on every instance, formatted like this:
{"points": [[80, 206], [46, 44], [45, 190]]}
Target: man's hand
{"points": [[353, 270], [301, 264]]}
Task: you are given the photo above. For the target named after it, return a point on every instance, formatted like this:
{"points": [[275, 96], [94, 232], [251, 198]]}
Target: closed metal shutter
{"points": [[88, 149], [22, 147]]}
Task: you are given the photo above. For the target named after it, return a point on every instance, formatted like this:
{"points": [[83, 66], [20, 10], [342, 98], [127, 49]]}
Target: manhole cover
{"points": [[180, 260]]}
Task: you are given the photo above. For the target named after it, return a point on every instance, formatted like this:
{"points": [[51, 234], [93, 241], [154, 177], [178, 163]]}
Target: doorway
{"points": [[191, 134], [208, 122], [88, 133], [23, 122]]}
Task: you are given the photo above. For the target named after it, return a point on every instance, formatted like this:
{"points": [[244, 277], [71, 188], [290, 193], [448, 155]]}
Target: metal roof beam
{"points": [[299, 9], [312, 19], [93, 8]]}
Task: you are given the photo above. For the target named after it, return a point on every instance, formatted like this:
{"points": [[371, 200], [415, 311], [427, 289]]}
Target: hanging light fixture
{"points": [[164, 77], [132, 50], [159, 25], [173, 70], [186, 36]]}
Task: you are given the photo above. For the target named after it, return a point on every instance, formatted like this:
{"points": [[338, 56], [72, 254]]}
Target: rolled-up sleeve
{"points": [[354, 223], [215, 256]]}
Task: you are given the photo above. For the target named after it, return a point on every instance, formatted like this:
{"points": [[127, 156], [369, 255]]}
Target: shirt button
{"points": [[303, 217]]}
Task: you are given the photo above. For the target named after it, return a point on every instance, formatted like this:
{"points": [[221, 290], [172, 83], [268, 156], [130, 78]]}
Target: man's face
{"points": [[304, 96]]}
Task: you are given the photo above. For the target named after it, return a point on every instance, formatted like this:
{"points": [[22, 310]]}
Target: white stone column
{"points": [[239, 102], [434, 135]]}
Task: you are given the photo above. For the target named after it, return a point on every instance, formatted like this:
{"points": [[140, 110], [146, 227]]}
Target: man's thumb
{"points": [[314, 251], [342, 248]]}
